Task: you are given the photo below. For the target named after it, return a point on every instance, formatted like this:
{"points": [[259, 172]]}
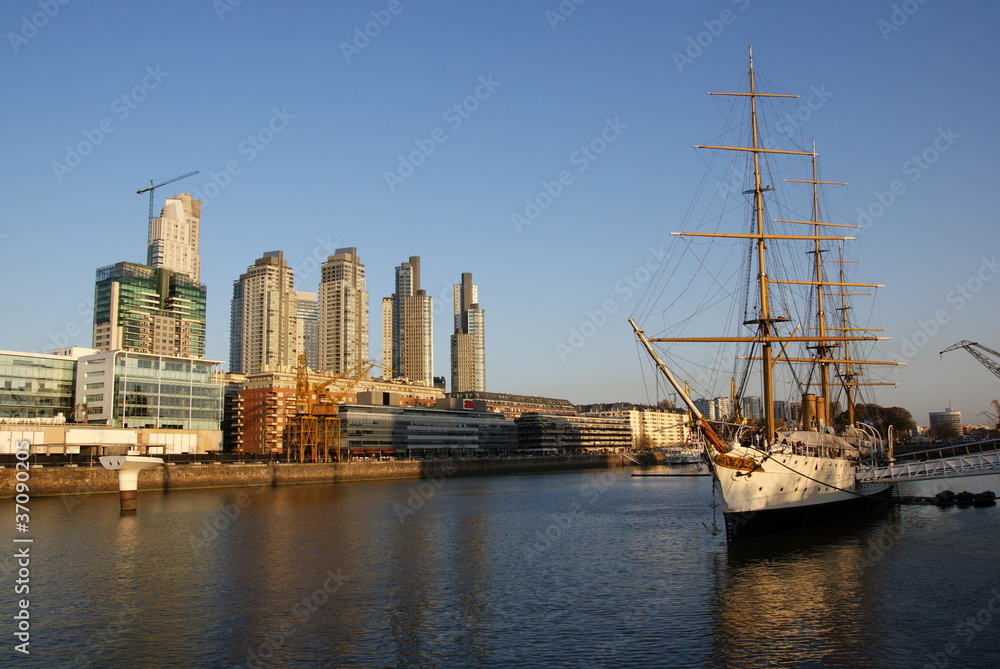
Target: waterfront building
{"points": [[36, 387], [141, 390], [232, 410], [148, 310], [562, 435], [370, 430], [412, 326], [653, 428], [468, 343], [267, 401], [717, 408], [307, 327], [263, 326], [947, 417], [513, 406], [174, 237], [343, 312]]}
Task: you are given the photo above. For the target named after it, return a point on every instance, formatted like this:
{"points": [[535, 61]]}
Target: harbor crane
{"points": [[152, 187], [314, 428], [979, 352]]}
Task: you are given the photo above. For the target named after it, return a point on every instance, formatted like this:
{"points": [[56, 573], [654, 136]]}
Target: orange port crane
{"points": [[315, 426]]}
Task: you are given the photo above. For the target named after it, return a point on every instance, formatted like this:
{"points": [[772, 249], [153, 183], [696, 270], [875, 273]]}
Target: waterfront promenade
{"points": [[85, 480]]}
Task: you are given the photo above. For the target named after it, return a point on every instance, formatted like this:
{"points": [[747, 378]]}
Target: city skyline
{"points": [[423, 146]]}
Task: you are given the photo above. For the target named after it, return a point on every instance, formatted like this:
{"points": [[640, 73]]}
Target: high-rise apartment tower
{"points": [[263, 325], [468, 343], [412, 326], [307, 327], [174, 237], [343, 312]]}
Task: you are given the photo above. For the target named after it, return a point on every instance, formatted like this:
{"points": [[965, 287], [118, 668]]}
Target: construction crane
{"points": [[977, 350], [995, 417], [315, 426], [152, 187]]}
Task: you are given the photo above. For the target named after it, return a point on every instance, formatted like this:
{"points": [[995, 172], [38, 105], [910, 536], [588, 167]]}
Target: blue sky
{"points": [[294, 133]]}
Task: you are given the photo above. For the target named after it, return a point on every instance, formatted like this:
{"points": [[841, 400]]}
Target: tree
{"points": [[881, 418], [945, 432]]}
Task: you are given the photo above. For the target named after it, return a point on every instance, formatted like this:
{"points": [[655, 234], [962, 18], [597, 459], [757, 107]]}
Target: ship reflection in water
{"points": [[591, 569]]}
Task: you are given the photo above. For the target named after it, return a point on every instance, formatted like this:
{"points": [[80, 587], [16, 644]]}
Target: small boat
{"points": [[987, 498], [945, 498], [965, 498]]}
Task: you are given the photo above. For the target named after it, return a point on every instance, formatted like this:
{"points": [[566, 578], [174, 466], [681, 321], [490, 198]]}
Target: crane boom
{"points": [[979, 352], [152, 187]]}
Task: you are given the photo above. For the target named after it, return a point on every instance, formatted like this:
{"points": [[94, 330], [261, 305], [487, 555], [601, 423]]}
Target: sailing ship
{"points": [[776, 476]]}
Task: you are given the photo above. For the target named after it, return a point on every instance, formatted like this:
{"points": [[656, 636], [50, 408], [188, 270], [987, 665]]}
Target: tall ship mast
{"points": [[782, 476]]}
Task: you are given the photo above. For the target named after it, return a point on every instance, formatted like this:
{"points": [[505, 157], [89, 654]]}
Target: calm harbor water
{"points": [[592, 569]]}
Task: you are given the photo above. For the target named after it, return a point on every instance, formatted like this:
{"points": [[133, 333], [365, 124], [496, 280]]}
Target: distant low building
{"points": [[653, 428], [561, 434], [377, 430], [513, 406]]}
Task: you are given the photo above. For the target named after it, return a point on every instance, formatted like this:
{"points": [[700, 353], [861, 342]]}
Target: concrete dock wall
{"points": [[49, 481]]}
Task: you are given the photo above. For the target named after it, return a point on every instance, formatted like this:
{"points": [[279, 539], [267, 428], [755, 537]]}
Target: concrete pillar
{"points": [[128, 468]]}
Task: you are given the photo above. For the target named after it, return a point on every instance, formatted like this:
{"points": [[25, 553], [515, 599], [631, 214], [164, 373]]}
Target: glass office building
{"points": [[136, 390], [35, 385], [148, 310]]}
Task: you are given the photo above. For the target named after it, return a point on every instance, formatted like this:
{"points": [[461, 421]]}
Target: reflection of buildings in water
{"points": [[802, 600], [277, 547], [438, 586], [471, 579]]}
